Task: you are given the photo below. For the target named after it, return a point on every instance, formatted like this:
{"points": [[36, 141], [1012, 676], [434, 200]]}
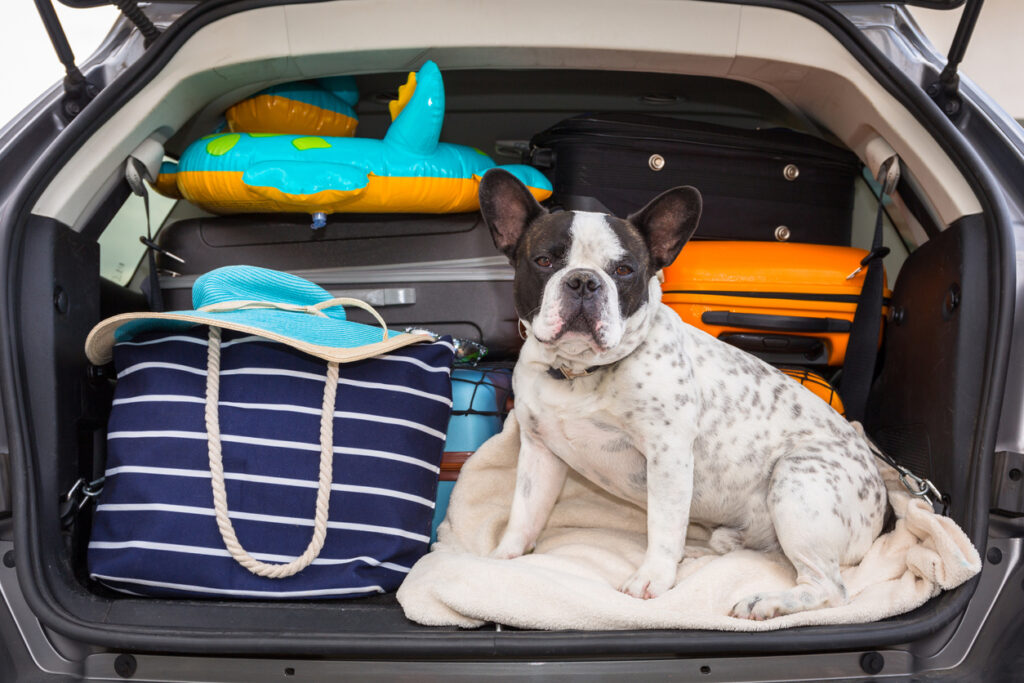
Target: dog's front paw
{"points": [[504, 553], [650, 580], [510, 546]]}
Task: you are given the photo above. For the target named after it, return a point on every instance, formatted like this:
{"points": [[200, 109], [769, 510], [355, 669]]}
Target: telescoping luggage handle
{"points": [[323, 494]]}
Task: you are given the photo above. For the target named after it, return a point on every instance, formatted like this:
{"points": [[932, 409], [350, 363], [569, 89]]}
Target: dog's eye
{"points": [[623, 271], [543, 261]]}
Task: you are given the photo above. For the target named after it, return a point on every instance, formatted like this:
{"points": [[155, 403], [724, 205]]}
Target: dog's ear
{"points": [[668, 222], [507, 207]]}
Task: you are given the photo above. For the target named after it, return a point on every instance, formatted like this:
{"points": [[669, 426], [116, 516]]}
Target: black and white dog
{"points": [[613, 384]]}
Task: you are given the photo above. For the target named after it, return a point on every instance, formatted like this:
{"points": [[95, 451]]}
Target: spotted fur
{"points": [[673, 420]]}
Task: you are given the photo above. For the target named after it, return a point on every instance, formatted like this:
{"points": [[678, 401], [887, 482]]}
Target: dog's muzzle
{"points": [[583, 303], [581, 284]]}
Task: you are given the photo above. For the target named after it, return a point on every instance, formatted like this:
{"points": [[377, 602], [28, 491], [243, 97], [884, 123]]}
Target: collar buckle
{"points": [[564, 372]]}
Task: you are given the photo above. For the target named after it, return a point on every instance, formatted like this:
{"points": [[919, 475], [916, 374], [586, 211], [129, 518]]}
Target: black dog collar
{"points": [[562, 372], [565, 373]]}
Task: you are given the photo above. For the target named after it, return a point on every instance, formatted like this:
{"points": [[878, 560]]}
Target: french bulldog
{"points": [[612, 383]]}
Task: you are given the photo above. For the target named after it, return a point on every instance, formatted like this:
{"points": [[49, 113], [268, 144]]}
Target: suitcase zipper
{"points": [[483, 269], [630, 131]]}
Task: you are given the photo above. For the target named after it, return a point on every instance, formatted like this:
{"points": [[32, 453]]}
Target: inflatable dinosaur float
{"points": [[408, 171], [320, 107]]}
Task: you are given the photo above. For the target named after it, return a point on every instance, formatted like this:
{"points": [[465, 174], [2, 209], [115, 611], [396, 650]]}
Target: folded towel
{"points": [[593, 541]]}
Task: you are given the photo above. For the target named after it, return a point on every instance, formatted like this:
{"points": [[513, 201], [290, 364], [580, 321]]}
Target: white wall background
{"points": [[995, 55], [30, 65], [995, 58]]}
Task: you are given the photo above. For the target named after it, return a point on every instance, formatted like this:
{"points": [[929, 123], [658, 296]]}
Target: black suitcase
{"points": [[440, 272], [765, 185]]}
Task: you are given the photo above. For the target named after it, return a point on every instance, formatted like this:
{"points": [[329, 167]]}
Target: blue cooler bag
{"points": [[479, 395], [240, 467]]}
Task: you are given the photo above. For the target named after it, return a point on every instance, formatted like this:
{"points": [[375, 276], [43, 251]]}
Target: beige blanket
{"points": [[594, 541]]}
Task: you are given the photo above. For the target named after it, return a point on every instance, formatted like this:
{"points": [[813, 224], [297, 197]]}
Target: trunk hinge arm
{"points": [[78, 91], [945, 91]]}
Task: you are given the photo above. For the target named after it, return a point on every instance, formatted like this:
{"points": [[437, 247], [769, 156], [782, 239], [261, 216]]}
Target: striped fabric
{"points": [[154, 531]]}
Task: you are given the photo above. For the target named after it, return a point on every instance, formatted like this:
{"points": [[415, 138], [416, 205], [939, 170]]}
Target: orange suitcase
{"points": [[784, 302], [815, 383]]}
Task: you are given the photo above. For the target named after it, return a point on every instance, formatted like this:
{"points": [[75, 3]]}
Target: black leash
{"points": [[916, 486]]}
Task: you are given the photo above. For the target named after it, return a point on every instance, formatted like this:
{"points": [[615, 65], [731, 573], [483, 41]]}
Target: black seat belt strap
{"points": [[862, 347], [136, 174]]}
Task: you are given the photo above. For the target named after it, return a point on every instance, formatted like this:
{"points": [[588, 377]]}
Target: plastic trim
{"points": [[931, 4]]}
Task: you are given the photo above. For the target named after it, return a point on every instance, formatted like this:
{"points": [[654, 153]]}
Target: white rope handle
{"points": [[313, 309], [220, 496]]}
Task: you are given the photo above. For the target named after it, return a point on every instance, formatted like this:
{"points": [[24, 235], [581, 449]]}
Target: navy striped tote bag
{"points": [[279, 431]]}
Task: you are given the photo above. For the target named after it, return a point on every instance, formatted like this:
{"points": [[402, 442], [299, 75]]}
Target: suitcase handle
{"points": [[381, 296], [782, 323], [809, 347]]}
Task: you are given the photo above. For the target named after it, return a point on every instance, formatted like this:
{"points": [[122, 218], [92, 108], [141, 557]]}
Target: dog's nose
{"points": [[583, 283]]}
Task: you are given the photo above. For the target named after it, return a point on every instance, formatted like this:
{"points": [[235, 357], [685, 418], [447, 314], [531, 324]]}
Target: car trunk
{"points": [[939, 367]]}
